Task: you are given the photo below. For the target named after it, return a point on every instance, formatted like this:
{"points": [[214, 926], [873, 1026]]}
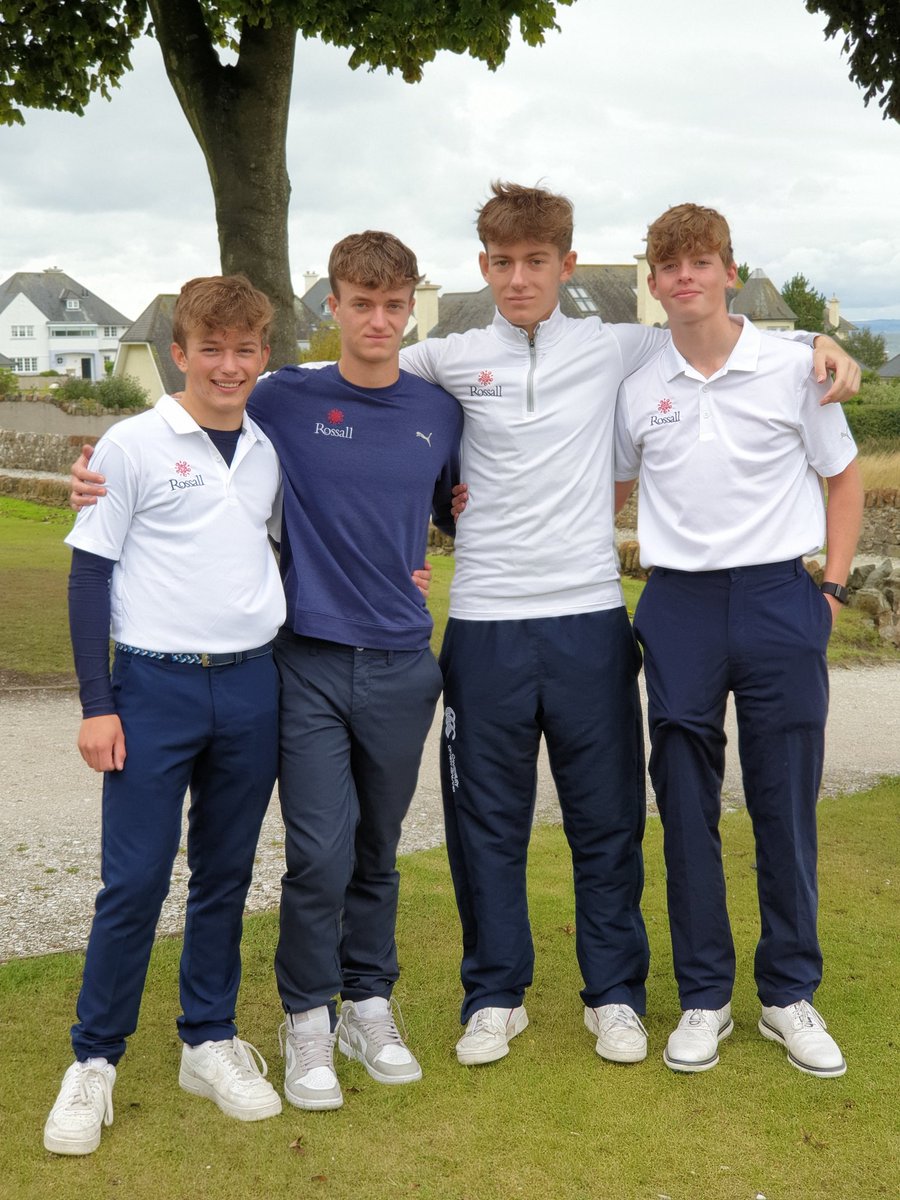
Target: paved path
{"points": [[49, 807]]}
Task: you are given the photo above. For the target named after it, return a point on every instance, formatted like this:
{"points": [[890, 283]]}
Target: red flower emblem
{"points": [[335, 417], [183, 468], [485, 378], [664, 406]]}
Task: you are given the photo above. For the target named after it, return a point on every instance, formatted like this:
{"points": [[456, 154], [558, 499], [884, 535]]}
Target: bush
{"points": [[9, 382], [49, 374], [73, 388], [874, 423], [122, 391]]}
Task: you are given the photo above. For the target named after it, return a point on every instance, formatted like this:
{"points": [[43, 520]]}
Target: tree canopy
{"points": [[58, 56], [867, 348], [871, 32], [807, 304]]}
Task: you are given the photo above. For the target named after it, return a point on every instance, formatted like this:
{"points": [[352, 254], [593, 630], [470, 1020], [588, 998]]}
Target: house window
{"points": [[22, 331], [583, 301], [73, 304], [25, 365], [87, 331], [110, 330]]}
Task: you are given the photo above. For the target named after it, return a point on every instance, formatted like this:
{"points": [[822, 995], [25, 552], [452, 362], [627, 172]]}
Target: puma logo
{"points": [[426, 437]]}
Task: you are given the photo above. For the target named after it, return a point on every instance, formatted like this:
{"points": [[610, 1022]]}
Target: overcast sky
{"points": [[628, 109]]}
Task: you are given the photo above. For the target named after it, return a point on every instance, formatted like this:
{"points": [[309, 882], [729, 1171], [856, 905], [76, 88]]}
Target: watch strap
{"points": [[837, 590]]}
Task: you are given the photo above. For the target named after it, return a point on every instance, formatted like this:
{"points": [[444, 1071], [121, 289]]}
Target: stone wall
{"points": [[881, 523], [41, 453]]}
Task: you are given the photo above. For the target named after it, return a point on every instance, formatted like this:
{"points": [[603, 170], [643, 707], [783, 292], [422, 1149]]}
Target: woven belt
{"points": [[197, 660]]}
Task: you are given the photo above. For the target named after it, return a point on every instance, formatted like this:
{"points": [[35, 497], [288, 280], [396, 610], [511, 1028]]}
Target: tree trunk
{"points": [[239, 115]]}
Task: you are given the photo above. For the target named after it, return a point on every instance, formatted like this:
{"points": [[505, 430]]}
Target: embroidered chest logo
{"points": [[485, 386], [335, 426], [184, 470], [666, 413], [426, 437]]}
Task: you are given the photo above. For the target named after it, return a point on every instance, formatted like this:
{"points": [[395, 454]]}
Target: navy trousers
{"points": [[353, 726], [573, 680], [760, 632], [212, 731]]}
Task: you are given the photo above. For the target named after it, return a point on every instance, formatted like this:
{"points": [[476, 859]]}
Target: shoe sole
{"points": [[773, 1035], [313, 1105], [685, 1067], [61, 1146], [477, 1058], [349, 1051], [199, 1087], [610, 1053]]}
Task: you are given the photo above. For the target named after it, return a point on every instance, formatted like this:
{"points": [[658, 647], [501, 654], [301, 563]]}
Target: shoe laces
{"points": [[622, 1014], [487, 1020], [314, 1048], [702, 1017], [90, 1089], [380, 1029], [241, 1059], [805, 1016]]}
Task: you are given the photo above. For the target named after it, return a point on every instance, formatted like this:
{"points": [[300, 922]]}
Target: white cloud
{"points": [[629, 109]]}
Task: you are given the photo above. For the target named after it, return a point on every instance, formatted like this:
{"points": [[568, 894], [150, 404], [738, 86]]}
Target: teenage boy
{"points": [[176, 565], [727, 429], [538, 641], [366, 451]]}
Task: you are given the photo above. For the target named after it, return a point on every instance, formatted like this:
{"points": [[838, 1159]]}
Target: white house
{"points": [[48, 321]]}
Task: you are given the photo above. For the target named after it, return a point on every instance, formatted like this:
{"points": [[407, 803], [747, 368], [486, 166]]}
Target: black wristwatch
{"points": [[834, 589]]}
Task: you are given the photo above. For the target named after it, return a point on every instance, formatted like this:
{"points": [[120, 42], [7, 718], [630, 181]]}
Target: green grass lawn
{"points": [[34, 625], [550, 1122]]}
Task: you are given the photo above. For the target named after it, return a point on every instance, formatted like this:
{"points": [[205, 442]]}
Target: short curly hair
{"points": [[212, 302], [685, 229], [373, 260]]}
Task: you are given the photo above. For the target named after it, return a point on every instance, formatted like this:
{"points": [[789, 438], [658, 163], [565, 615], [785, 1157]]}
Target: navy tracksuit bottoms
{"points": [[572, 679], [761, 633]]}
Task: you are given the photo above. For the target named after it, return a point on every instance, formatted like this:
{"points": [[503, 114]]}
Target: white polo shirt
{"points": [[194, 569], [729, 466]]}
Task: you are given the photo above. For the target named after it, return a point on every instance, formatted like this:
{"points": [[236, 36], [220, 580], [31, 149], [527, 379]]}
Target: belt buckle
{"points": [[204, 660]]}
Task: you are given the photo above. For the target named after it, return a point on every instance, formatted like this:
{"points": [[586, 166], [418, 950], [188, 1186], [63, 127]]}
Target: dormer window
{"points": [[73, 304]]}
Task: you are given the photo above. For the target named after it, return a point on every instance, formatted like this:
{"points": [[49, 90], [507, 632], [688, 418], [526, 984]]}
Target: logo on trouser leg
{"points": [[449, 736]]}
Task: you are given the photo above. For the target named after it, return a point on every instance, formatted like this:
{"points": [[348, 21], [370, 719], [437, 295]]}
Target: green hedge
{"points": [[874, 422]]}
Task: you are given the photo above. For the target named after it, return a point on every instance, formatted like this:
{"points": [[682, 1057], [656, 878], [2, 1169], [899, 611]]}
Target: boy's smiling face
{"points": [[220, 371]]}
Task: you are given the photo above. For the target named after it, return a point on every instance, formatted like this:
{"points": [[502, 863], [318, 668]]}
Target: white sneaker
{"points": [[308, 1048], [620, 1035], [232, 1074], [488, 1034], [803, 1032], [693, 1044], [84, 1105], [367, 1031]]}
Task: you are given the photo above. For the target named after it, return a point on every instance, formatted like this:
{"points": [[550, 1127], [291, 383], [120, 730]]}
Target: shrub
{"points": [[122, 391], [73, 388], [9, 382], [874, 423]]}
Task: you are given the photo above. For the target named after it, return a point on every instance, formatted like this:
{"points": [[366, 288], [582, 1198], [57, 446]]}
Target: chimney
{"points": [[426, 310], [310, 279], [833, 313]]}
